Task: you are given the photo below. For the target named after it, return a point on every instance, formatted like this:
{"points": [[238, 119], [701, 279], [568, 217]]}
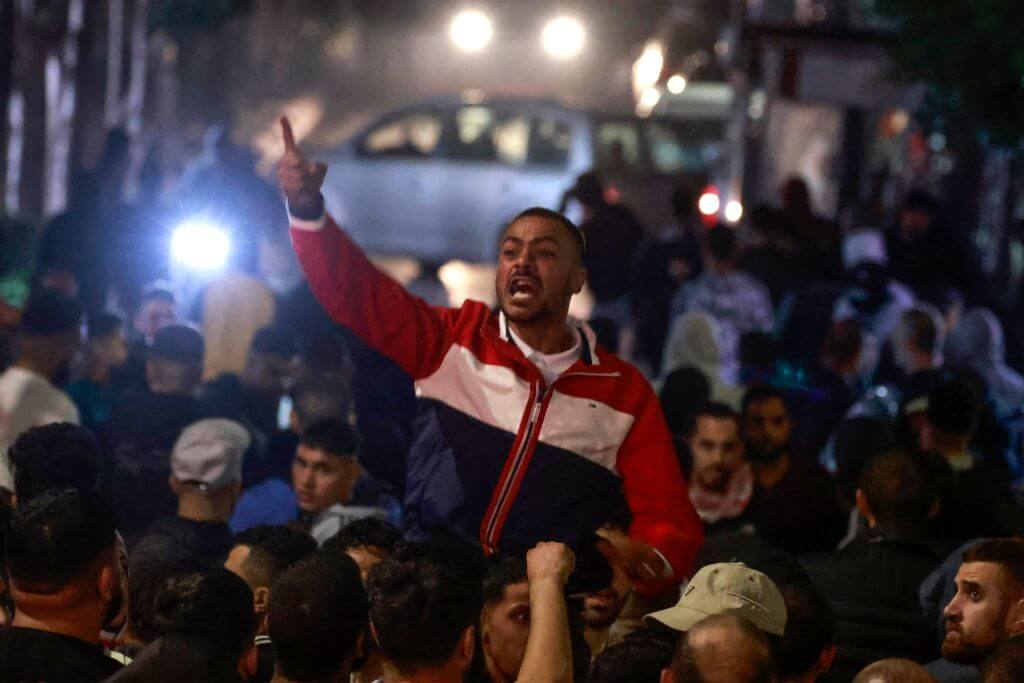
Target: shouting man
{"points": [[529, 431]]}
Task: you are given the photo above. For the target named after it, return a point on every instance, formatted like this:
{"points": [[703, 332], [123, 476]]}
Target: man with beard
{"points": [[987, 610], [65, 579], [794, 506], [48, 336], [721, 481], [528, 430]]}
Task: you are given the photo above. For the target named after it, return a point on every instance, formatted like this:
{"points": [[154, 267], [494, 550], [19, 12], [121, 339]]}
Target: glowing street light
{"points": [[733, 211], [563, 37], [709, 203], [471, 30], [676, 84], [198, 244]]}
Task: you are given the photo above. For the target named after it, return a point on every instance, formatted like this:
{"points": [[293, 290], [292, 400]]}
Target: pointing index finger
{"points": [[289, 136]]}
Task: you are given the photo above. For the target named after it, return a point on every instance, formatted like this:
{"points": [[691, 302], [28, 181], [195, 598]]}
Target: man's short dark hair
{"points": [[760, 393], [1006, 552], [715, 411], [104, 325], [178, 343], [317, 612], [422, 600], [272, 549], [685, 666], [213, 607], [55, 538], [49, 313], [810, 630], [368, 532], [500, 572], [333, 437], [684, 392], [321, 397], [721, 242], [900, 490], [274, 341], [148, 575], [54, 456], [548, 214], [953, 409], [634, 659]]}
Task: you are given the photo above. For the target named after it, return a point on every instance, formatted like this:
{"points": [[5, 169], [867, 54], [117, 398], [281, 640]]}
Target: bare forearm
{"points": [[549, 649]]}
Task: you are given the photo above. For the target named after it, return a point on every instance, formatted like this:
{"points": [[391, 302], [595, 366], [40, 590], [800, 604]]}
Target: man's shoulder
{"points": [[32, 654]]}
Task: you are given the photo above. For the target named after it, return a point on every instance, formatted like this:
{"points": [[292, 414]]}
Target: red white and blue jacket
{"points": [[499, 456]]}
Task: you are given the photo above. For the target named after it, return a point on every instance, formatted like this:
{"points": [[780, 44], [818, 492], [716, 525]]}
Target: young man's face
{"points": [[112, 349], [977, 616], [717, 452], [154, 315], [601, 609], [767, 429], [538, 271], [322, 479], [505, 628]]}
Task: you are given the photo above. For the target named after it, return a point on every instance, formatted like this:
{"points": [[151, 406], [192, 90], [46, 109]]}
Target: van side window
{"points": [[413, 136], [617, 145], [550, 143], [483, 134]]}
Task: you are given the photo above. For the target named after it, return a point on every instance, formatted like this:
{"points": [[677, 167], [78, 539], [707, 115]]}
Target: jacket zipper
{"points": [[531, 424]]}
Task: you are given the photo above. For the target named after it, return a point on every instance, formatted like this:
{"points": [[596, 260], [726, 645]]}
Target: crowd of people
{"points": [[809, 471]]}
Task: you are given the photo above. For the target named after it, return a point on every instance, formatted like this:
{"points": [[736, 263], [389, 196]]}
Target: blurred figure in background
{"points": [[978, 343], [700, 341], [49, 334], [106, 350], [721, 480]]}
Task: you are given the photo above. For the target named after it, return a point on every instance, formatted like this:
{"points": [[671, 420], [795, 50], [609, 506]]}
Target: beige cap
{"points": [[209, 453], [727, 588]]}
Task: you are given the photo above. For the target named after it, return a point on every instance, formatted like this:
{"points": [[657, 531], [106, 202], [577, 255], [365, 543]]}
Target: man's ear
{"points": [[667, 677], [107, 582], [1015, 619], [261, 599], [579, 278], [468, 644]]}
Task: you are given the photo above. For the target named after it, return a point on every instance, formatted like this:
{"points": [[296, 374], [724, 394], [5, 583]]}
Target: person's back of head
{"points": [[62, 559], [320, 397], [367, 541], [921, 330], [174, 362], [206, 468], [684, 392], [268, 552], [424, 604], [148, 576], [724, 648], [894, 671], [857, 440], [807, 648], [318, 611], [54, 456], [951, 417], [897, 493], [212, 610], [49, 332], [634, 660]]}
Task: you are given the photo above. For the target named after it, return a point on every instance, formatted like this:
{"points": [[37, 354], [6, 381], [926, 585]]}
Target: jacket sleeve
{"points": [[657, 493], [376, 308]]}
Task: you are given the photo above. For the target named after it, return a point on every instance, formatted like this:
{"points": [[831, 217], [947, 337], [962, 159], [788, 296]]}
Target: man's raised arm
{"points": [[349, 287]]}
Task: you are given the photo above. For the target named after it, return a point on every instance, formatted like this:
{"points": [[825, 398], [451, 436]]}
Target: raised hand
{"points": [[300, 178], [637, 559], [550, 561]]}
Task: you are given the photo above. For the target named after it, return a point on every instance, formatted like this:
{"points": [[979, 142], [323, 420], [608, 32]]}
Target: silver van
{"points": [[436, 181]]}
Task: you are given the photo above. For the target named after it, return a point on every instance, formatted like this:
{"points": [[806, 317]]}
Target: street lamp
{"points": [[676, 84], [471, 30], [563, 37]]}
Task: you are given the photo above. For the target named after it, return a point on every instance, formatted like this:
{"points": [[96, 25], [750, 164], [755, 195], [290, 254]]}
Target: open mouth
{"points": [[523, 288]]}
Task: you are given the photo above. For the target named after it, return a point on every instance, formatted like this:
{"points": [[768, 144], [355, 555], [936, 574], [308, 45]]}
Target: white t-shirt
{"points": [[28, 400], [551, 365]]}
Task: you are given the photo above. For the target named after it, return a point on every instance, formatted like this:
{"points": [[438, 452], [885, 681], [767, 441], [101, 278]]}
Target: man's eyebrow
{"points": [[967, 584]]}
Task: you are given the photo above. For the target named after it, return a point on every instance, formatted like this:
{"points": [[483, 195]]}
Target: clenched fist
{"points": [[300, 178], [550, 561]]}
